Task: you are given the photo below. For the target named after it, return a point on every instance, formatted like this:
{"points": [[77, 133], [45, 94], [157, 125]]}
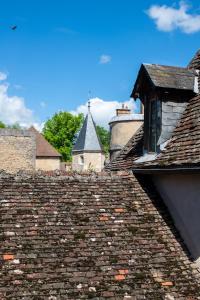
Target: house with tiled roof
{"points": [[167, 148], [47, 157], [125, 234]]}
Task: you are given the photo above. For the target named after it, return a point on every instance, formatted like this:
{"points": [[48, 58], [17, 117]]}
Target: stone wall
{"points": [[88, 161], [48, 163], [121, 132], [17, 150]]}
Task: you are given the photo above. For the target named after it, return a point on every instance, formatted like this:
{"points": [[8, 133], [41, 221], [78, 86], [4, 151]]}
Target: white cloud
{"points": [[104, 59], [3, 76], [102, 111], [13, 108], [169, 18], [43, 104]]}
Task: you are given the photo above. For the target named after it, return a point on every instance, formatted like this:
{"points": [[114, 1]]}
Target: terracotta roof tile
{"points": [[43, 148], [131, 151], [183, 149], [74, 255], [195, 62]]}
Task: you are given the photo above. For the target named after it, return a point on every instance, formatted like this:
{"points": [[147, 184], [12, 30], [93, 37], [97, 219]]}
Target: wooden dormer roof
{"points": [[166, 77]]}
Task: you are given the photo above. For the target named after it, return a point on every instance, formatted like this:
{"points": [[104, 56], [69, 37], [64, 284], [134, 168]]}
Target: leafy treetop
{"points": [[104, 137], [60, 131]]}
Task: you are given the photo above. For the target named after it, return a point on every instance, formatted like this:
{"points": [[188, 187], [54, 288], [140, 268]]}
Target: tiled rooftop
{"points": [[132, 150], [183, 150], [168, 77], [89, 237], [43, 147]]}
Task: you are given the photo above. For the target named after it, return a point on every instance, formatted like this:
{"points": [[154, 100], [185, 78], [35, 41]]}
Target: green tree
{"points": [[60, 131], [104, 136], [2, 125], [14, 126]]}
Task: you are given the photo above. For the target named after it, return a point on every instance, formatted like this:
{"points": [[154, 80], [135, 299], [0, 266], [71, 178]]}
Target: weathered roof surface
{"points": [[195, 62], [184, 147], [130, 117], [168, 77], [43, 148], [171, 77], [131, 151], [81, 237], [88, 139]]}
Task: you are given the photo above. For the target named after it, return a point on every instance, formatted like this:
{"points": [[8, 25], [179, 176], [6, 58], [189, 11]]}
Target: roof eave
{"points": [[87, 151], [167, 170], [135, 92]]}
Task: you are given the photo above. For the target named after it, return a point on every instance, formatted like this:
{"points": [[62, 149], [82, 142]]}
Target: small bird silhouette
{"points": [[14, 27]]}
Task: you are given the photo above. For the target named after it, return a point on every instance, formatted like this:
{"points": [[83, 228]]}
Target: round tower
{"points": [[122, 128]]}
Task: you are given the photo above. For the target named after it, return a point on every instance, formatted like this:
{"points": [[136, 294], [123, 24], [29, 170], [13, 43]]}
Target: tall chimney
{"points": [[123, 111]]}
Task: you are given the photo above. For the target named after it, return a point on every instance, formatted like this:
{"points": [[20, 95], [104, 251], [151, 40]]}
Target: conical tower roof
{"points": [[88, 139]]}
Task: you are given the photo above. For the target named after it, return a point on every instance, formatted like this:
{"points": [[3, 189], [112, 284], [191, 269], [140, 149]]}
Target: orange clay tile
{"points": [[167, 283], [123, 272], [8, 256], [103, 218], [119, 277], [119, 210]]}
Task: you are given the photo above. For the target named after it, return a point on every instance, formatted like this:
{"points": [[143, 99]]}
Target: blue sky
{"points": [[61, 49]]}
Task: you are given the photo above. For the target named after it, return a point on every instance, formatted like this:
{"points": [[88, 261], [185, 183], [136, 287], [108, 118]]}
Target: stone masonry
{"points": [[17, 151]]}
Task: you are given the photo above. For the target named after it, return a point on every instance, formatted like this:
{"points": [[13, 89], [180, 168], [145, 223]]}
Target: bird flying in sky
{"points": [[14, 27]]}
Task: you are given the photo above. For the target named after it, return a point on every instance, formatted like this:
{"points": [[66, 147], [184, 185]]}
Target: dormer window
{"points": [[164, 92], [154, 126]]}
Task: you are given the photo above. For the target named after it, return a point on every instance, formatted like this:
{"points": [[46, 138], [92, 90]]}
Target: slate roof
{"points": [[88, 139], [89, 237], [132, 150], [168, 77], [183, 149], [43, 148], [128, 117]]}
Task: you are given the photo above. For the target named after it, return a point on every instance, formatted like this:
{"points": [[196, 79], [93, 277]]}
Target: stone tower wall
{"points": [[121, 132], [88, 161], [17, 150]]}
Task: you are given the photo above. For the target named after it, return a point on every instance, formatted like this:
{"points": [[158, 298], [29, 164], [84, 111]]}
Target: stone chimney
{"points": [[123, 111]]}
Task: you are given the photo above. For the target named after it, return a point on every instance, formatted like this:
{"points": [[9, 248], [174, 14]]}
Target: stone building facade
{"points": [[17, 151], [47, 157]]}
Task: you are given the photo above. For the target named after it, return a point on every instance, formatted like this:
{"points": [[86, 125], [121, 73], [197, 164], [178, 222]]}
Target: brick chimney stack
{"points": [[123, 111]]}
